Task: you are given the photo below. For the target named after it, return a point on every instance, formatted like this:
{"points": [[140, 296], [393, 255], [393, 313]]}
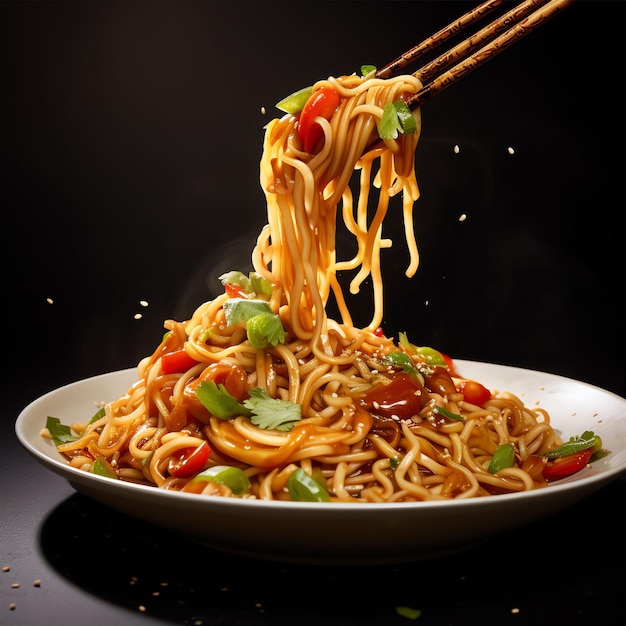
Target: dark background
{"points": [[132, 133], [130, 140]]}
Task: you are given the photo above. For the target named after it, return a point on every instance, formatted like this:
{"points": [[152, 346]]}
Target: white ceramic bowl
{"points": [[338, 533]]}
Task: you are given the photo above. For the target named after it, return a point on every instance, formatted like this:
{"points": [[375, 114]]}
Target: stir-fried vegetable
{"points": [[251, 286], [189, 461], [176, 362], [566, 465], [502, 458], [232, 477], [571, 456], [304, 488], [322, 103], [294, 102], [102, 467], [587, 441], [309, 105], [263, 326]]}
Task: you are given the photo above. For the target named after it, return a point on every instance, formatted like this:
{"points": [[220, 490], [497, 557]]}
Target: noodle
{"points": [[354, 447]]}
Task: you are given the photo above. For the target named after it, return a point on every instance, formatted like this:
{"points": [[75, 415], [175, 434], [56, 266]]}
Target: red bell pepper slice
{"points": [[566, 465], [189, 461], [322, 103], [177, 362], [235, 291]]}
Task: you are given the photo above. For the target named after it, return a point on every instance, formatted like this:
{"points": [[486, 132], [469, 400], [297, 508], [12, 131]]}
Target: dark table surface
{"points": [[131, 134]]}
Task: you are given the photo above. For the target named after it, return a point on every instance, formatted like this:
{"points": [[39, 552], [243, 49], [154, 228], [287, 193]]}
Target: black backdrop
{"points": [[131, 137]]}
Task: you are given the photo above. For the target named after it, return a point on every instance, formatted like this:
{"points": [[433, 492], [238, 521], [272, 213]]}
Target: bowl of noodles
{"points": [[339, 532], [265, 426]]}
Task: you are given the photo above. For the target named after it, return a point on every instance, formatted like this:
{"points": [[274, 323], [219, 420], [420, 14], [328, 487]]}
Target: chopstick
{"points": [[482, 46]]}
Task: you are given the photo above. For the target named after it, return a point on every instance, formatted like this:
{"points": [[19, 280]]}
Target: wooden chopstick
{"points": [[475, 41], [484, 45], [438, 38]]}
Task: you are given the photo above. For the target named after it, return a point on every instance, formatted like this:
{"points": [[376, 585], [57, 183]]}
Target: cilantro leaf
{"points": [[60, 432], [389, 124], [272, 413], [397, 118], [264, 411], [216, 399], [407, 121]]}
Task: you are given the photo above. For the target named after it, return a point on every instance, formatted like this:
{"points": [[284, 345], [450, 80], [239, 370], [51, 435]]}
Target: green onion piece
{"points": [[271, 413], [264, 330], [98, 415], [403, 340], [432, 356], [233, 477], [576, 444], [295, 102], [367, 69], [408, 612], [253, 284], [403, 360], [449, 414], [394, 461], [102, 468], [503, 457], [263, 326], [303, 488]]}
